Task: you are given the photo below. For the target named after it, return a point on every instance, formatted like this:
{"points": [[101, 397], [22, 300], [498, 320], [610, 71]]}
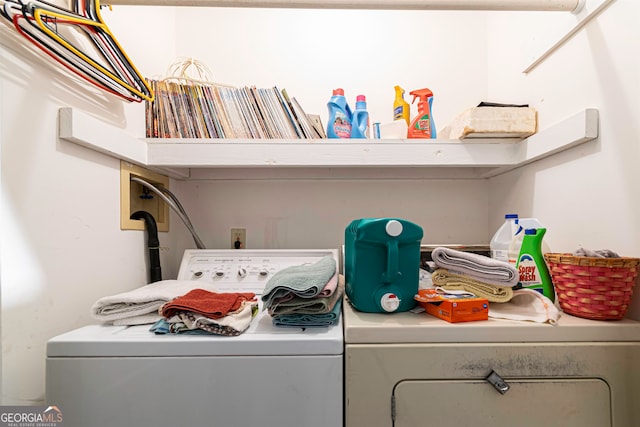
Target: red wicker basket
{"points": [[591, 287]]}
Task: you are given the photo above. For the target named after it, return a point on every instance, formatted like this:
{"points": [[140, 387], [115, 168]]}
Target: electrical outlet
{"points": [[238, 238], [134, 197]]}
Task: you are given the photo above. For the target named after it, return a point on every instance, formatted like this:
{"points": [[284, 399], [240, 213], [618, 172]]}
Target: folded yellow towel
{"points": [[452, 281]]}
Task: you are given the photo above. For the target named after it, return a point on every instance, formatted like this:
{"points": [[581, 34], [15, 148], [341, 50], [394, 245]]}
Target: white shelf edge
{"points": [[573, 131], [177, 156], [84, 129], [296, 153]]}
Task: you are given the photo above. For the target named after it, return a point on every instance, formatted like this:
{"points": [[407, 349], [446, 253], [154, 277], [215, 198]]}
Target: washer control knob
{"points": [[393, 228], [263, 272], [242, 272], [197, 274], [390, 302], [219, 273]]}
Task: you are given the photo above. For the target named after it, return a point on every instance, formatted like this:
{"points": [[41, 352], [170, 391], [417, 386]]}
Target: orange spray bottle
{"points": [[422, 125]]}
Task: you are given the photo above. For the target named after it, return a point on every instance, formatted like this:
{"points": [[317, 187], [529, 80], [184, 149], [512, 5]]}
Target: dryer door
{"points": [[528, 403]]}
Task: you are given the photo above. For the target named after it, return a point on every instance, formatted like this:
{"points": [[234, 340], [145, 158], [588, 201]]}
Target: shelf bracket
{"points": [[575, 130]]}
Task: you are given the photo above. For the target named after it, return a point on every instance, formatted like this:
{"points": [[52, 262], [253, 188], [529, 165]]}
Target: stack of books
{"points": [[188, 109]]}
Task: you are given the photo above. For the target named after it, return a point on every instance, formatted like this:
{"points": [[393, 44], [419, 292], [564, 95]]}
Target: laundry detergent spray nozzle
{"points": [[422, 125]]}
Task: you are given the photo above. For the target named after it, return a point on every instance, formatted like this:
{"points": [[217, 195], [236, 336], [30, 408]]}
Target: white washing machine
{"points": [[107, 376], [407, 370]]}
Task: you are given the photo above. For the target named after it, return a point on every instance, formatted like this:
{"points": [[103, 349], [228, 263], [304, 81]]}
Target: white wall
{"points": [[62, 247], [312, 214], [588, 196], [311, 52]]}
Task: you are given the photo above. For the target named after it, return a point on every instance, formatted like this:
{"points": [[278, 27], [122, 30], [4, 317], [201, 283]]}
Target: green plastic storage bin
{"points": [[381, 264]]}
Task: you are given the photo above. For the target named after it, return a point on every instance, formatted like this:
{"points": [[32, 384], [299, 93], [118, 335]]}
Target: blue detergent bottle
{"points": [[340, 116], [360, 123]]}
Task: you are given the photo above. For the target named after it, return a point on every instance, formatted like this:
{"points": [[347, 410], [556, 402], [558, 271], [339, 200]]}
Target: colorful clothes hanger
{"points": [[42, 23]]}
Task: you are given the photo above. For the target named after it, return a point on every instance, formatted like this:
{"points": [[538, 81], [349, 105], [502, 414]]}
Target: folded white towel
{"points": [[526, 304], [143, 319], [476, 266], [136, 305]]}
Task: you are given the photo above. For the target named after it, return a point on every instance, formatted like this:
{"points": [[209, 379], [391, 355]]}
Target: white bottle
{"points": [[515, 245], [501, 240]]}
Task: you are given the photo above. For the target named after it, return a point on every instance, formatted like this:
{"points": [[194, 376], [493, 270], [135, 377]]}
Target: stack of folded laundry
{"points": [[139, 306], [480, 275], [205, 312], [178, 306], [308, 295], [495, 280]]}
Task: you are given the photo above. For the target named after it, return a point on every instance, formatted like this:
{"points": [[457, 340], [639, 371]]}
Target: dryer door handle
{"points": [[498, 383]]}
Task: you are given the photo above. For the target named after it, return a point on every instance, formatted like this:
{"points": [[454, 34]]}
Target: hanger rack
{"points": [[56, 32]]}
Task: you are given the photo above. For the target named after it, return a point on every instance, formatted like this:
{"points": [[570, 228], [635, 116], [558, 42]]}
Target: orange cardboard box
{"points": [[453, 309]]}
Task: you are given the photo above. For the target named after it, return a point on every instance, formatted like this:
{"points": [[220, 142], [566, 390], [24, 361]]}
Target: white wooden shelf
{"points": [[237, 158]]}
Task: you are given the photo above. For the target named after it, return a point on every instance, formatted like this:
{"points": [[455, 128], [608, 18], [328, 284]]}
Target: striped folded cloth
{"points": [[452, 281]]}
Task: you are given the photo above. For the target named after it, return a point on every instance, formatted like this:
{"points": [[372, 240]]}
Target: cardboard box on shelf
{"points": [[455, 308]]}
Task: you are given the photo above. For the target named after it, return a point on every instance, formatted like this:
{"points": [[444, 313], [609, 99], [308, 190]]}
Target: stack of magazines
{"points": [[196, 110]]}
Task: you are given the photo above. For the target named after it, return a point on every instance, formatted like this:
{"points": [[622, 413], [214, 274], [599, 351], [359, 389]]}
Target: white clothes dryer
{"points": [[406, 370], [118, 376]]}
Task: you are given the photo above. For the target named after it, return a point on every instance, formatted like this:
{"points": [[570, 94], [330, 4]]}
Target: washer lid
{"points": [[222, 271], [261, 339]]}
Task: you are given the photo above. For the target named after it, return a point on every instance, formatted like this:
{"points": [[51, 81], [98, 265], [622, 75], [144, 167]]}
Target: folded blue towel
{"points": [[301, 320], [306, 280], [315, 305]]}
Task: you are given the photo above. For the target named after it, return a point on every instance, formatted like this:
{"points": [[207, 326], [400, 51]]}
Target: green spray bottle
{"points": [[531, 266]]}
